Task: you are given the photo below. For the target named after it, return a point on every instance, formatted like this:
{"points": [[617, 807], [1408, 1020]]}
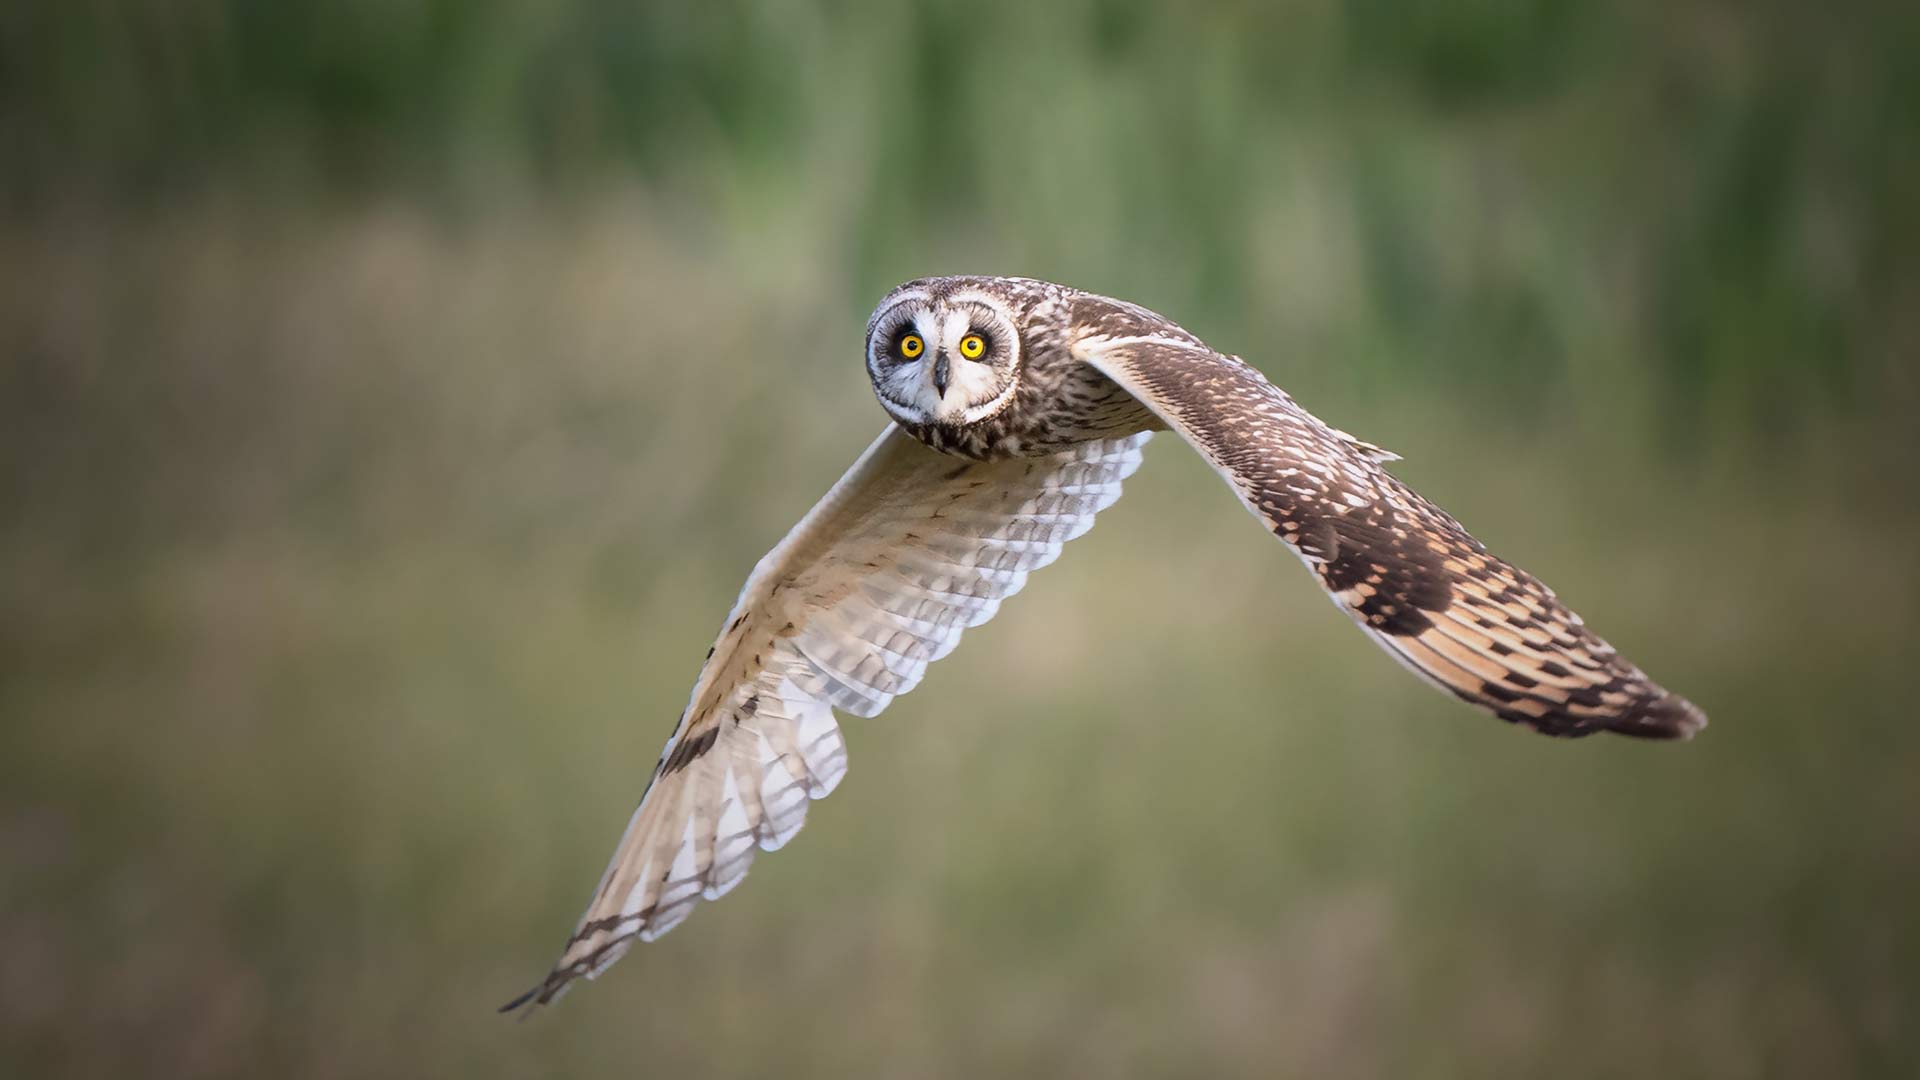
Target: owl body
{"points": [[1049, 394]]}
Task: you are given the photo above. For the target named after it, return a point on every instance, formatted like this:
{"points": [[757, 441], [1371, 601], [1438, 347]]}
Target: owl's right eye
{"points": [[911, 346]]}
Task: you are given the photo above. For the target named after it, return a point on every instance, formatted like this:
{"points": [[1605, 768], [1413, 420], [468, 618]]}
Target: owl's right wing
{"points": [[877, 581], [1418, 583]]}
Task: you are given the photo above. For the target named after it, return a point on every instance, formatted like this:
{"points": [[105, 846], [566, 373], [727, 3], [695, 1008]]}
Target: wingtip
{"points": [[1671, 718], [522, 1001]]}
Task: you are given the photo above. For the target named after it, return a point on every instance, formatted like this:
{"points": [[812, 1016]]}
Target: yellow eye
{"points": [[911, 346], [973, 346]]}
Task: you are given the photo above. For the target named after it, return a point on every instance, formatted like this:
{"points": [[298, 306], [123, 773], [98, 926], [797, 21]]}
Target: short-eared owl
{"points": [[1018, 407]]}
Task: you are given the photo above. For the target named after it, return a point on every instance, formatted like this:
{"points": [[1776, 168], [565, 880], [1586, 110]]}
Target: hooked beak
{"points": [[941, 369]]}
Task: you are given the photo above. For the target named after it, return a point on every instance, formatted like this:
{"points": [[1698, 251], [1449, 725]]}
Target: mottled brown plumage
{"points": [[991, 464], [1479, 627]]}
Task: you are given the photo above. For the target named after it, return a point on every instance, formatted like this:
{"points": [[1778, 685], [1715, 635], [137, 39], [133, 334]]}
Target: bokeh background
{"points": [[395, 393]]}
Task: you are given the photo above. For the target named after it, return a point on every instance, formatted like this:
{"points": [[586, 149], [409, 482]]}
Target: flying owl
{"points": [[1018, 407]]}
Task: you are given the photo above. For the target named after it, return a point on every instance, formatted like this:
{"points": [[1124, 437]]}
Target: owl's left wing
{"points": [[1425, 590], [876, 582]]}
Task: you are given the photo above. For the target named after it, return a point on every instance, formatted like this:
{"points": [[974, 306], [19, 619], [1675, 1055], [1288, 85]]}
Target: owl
{"points": [[1018, 407]]}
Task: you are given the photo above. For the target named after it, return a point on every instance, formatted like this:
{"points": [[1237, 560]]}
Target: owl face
{"points": [[943, 355]]}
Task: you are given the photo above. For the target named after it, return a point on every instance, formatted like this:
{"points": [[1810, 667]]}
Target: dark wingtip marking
{"points": [[1670, 717], [521, 1000], [1500, 693]]}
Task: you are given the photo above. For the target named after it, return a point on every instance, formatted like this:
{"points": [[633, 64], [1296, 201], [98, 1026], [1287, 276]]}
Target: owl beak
{"points": [[941, 369]]}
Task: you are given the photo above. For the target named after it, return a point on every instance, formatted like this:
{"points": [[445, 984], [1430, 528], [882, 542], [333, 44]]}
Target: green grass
{"points": [[393, 397], [361, 561]]}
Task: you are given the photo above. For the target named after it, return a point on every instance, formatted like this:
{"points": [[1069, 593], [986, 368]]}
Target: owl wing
{"points": [[910, 548], [1435, 598]]}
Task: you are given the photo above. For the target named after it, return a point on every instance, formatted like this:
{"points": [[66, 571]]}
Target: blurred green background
{"points": [[395, 394]]}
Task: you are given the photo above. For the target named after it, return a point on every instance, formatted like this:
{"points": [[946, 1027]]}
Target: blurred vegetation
{"points": [[395, 394], [1743, 177]]}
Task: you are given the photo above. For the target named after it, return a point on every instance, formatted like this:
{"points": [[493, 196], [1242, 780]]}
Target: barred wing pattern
{"points": [[880, 578], [1430, 594]]}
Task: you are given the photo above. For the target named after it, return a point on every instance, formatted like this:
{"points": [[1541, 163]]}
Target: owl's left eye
{"points": [[973, 346], [911, 346]]}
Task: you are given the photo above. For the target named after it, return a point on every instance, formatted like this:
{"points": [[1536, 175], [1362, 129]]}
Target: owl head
{"points": [[944, 351]]}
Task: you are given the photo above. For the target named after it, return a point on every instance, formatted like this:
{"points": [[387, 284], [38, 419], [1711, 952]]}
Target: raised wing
{"points": [[910, 548], [1435, 598]]}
